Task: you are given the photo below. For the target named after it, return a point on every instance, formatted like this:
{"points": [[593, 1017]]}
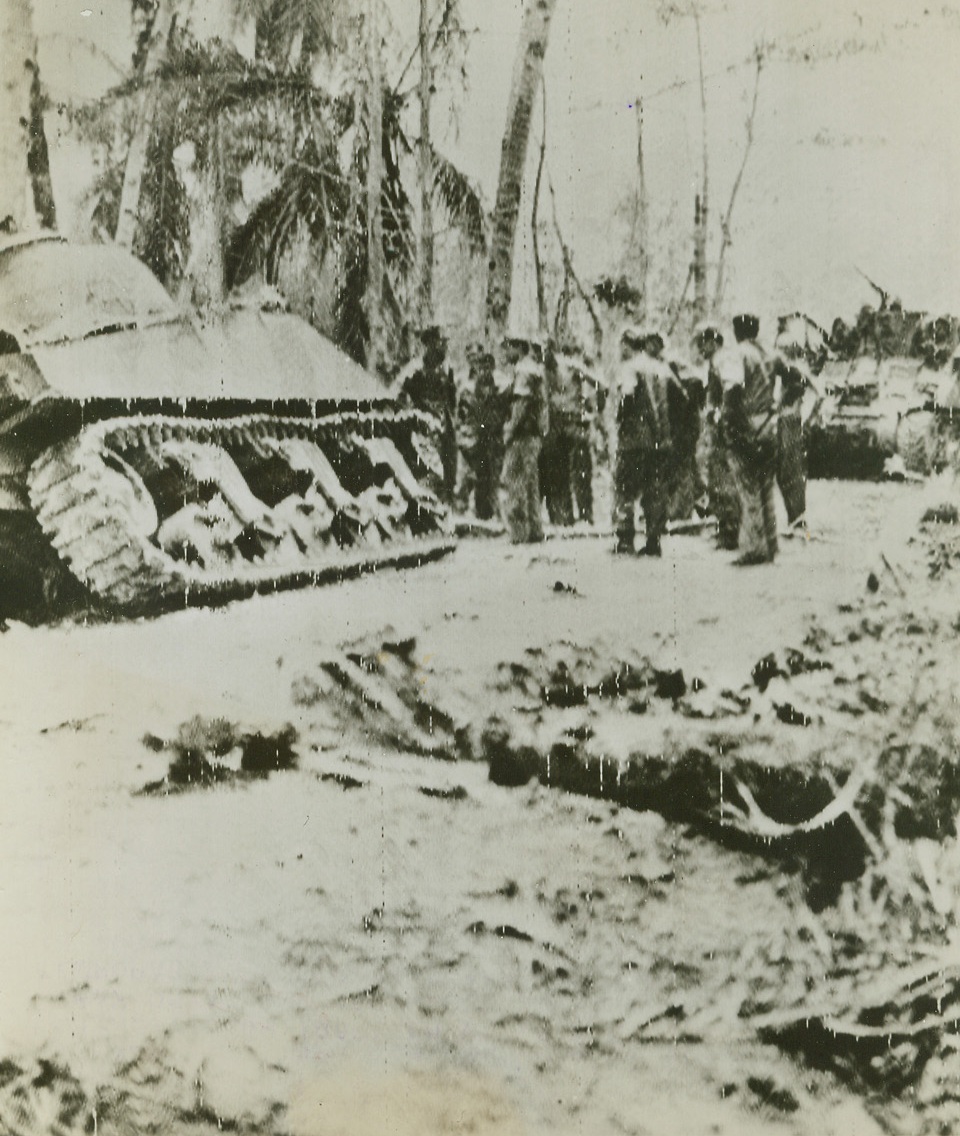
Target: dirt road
{"points": [[336, 950]]}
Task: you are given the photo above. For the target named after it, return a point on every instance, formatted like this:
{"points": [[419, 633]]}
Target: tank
{"points": [[152, 459], [879, 409]]}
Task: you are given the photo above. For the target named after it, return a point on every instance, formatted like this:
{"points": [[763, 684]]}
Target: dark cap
{"points": [[746, 326], [708, 333]]}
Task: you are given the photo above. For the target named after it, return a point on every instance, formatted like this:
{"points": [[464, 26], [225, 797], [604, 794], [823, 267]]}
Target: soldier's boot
{"points": [[624, 543]]}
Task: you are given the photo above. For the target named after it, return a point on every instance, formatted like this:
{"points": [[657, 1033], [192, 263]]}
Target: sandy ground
{"points": [[304, 956]]}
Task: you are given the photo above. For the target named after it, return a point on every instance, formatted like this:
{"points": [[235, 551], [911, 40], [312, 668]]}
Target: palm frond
{"points": [[461, 202], [311, 193], [285, 26], [164, 215], [352, 329]]}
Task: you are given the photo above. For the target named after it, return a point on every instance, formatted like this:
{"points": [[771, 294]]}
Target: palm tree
{"points": [[26, 194], [273, 111], [527, 73]]}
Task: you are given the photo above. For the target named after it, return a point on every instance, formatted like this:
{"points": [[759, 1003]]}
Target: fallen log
{"points": [[797, 816]]}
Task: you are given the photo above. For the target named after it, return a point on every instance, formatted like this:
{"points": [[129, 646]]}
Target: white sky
{"points": [[856, 161]]}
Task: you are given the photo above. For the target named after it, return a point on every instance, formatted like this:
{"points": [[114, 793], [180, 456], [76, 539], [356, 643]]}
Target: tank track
{"points": [[153, 512]]}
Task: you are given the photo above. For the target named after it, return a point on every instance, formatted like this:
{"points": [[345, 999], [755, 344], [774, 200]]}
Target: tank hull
{"points": [[151, 459]]}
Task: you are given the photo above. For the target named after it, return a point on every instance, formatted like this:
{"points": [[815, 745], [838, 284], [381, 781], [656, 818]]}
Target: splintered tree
{"points": [[154, 56], [702, 211], [706, 300], [726, 238], [527, 72], [373, 300], [425, 244], [26, 195]]}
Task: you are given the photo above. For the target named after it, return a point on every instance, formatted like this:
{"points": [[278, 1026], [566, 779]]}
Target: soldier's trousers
{"points": [[640, 473], [754, 475], [521, 483], [447, 446], [581, 477], [791, 466], [721, 489], [487, 472], [555, 481]]}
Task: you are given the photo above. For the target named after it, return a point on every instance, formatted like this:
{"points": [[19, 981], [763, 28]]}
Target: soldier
{"points": [[685, 403], [644, 439], [791, 453], [557, 452], [750, 426], [566, 460], [427, 384], [722, 497], [482, 420], [525, 430], [585, 424]]}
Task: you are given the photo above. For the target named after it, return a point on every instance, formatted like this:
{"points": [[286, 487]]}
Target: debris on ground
{"points": [[377, 689], [858, 807], [213, 751]]}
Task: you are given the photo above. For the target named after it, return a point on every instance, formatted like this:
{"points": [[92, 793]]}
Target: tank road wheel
{"points": [[97, 513], [917, 441], [126, 486]]}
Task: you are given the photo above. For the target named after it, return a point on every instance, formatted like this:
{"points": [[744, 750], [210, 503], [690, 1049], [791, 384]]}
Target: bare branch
{"points": [[726, 239], [753, 821], [569, 271], [537, 262], [681, 301], [642, 221]]}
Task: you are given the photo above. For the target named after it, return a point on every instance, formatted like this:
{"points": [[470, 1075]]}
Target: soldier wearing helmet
{"points": [[427, 384], [750, 428], [644, 439], [722, 497], [523, 436]]}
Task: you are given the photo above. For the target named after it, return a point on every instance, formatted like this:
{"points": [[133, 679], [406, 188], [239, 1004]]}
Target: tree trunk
{"points": [[698, 270], [726, 237], [143, 126], [527, 71], [643, 215], [702, 211], [203, 278], [375, 260], [535, 217], [38, 158], [18, 53], [425, 170]]}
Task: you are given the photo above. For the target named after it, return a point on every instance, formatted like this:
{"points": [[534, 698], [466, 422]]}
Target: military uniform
{"points": [[791, 456], [749, 420], [566, 460], [644, 449], [685, 402], [427, 384], [557, 446], [524, 433], [723, 501], [482, 413], [582, 450]]}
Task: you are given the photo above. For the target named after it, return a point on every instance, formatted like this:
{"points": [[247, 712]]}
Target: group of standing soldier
{"points": [[746, 438], [515, 436], [717, 438]]}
